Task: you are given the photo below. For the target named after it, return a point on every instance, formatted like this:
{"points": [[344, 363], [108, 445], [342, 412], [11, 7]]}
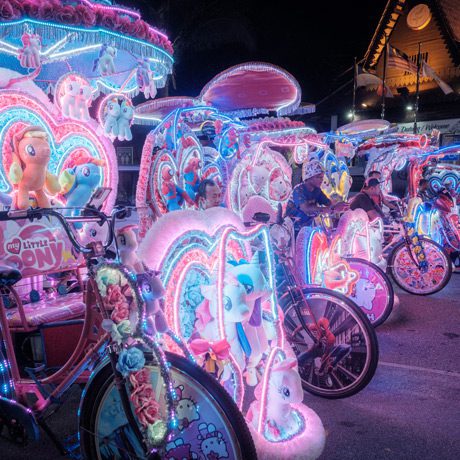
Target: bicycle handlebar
{"points": [[88, 215]]}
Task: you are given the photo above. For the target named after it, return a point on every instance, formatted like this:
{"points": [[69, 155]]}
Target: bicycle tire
{"points": [[380, 317], [365, 331], [398, 280], [101, 386]]}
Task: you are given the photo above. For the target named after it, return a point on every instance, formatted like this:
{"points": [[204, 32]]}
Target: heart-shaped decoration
{"points": [[68, 139], [14, 246]]}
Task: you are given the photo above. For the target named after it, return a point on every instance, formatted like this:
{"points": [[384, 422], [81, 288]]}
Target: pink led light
{"points": [[95, 6]]}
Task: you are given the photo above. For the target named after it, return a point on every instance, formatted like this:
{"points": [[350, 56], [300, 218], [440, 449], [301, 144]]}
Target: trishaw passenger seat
{"points": [[9, 275]]}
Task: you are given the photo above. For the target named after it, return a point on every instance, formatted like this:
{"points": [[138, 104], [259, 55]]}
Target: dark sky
{"points": [[315, 41]]}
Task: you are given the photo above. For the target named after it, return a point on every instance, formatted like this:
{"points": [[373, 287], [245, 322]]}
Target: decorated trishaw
{"points": [[417, 263], [58, 280]]}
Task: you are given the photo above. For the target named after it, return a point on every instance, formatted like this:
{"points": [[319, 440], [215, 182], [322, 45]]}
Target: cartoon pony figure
{"points": [[245, 288], [212, 445], [191, 176], [186, 409], [83, 102], [104, 63], [152, 290], [79, 181], [29, 54], [173, 195], [124, 121], [145, 80], [28, 171], [69, 99], [111, 114], [127, 247], [284, 389]]}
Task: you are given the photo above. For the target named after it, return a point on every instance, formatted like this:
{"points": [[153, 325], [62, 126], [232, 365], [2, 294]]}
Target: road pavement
{"points": [[410, 410]]}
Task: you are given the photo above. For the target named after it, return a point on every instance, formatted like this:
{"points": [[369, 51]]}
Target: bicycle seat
{"points": [[9, 275]]}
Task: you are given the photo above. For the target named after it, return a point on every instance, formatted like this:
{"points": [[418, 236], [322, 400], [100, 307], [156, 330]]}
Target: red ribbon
{"points": [[220, 349]]}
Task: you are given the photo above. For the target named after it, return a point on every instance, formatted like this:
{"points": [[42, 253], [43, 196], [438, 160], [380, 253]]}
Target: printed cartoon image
{"points": [[212, 444], [186, 409]]}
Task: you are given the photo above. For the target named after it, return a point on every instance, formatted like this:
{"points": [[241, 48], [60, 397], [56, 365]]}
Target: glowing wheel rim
{"points": [[410, 278]]}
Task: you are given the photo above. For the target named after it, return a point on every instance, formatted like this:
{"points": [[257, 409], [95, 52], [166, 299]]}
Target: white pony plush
{"points": [[69, 99], [245, 288], [83, 102]]}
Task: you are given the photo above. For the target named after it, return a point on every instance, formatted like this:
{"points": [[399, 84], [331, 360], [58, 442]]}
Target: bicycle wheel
{"points": [[345, 358], [209, 421], [409, 277], [373, 292]]}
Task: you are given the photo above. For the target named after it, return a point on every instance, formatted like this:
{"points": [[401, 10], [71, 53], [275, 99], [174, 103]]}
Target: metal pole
{"points": [[382, 115], [355, 82], [417, 87]]}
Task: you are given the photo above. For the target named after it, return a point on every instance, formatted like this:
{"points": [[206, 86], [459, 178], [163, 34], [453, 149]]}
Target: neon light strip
{"points": [[91, 31], [57, 45], [265, 386], [81, 50], [7, 45]]}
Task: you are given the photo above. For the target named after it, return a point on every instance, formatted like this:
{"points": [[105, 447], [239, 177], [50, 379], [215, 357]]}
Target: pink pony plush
{"points": [[29, 54], [127, 246], [28, 171]]}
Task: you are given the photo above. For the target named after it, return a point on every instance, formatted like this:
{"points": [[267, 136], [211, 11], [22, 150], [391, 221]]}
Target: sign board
{"points": [[451, 126]]}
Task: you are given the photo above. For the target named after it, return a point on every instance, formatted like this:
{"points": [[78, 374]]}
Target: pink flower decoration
{"points": [[87, 15], [8, 11], [140, 377], [149, 414]]}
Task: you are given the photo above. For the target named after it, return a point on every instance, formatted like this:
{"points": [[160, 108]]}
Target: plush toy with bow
{"points": [[215, 355], [145, 80], [28, 171]]}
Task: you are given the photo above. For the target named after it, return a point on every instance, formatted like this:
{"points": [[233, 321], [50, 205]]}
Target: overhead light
{"points": [[350, 115], [409, 107], [363, 105]]}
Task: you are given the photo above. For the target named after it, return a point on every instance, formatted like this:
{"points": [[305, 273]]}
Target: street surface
{"points": [[410, 410]]}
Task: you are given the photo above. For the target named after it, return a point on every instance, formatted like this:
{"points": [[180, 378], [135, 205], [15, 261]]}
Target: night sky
{"points": [[315, 41]]}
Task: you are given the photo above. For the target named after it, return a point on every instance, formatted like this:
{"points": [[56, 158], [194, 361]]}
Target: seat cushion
{"points": [[45, 311]]}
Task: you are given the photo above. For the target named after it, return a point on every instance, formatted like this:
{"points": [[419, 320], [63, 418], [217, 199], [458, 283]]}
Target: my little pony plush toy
{"points": [[83, 102], [124, 121], [105, 61], [111, 113], [79, 181], [145, 80], [191, 177], [152, 290], [127, 247], [173, 195], [28, 171], [29, 54], [69, 99]]}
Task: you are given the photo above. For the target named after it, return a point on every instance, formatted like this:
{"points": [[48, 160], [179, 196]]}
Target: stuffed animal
{"points": [[111, 113], [245, 288], [127, 247], [83, 102], [258, 177], [152, 290], [191, 176], [28, 171], [69, 99], [280, 188], [104, 63], [284, 388], [79, 182], [173, 195], [124, 121], [145, 80], [29, 54]]}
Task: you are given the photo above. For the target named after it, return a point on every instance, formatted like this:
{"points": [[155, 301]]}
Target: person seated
{"points": [[307, 198], [368, 199], [381, 199], [209, 195]]}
